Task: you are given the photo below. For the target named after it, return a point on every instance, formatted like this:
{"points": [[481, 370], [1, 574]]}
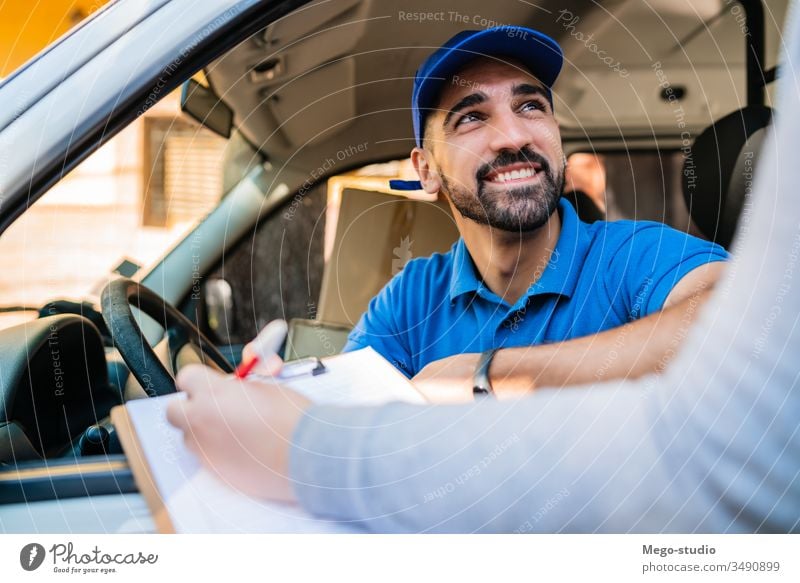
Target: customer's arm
{"points": [[627, 352]]}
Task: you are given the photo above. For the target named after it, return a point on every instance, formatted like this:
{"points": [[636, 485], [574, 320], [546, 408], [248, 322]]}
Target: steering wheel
{"points": [[117, 299]]}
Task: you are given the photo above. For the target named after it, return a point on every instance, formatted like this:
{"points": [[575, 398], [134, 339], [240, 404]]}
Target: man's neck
{"points": [[508, 262]]}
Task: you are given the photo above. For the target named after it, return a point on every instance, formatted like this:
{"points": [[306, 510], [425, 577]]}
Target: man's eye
{"points": [[467, 118], [533, 105]]}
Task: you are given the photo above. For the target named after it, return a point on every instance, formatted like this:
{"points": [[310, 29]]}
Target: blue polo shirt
{"points": [[600, 275]]}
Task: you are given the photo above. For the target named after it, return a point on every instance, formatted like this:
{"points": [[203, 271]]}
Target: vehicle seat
{"points": [[376, 234], [314, 338], [718, 171], [584, 206]]}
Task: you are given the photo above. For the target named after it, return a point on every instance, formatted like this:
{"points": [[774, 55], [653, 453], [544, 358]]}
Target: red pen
{"points": [[266, 344]]}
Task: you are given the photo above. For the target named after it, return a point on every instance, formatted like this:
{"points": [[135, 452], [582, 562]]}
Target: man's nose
{"points": [[508, 133]]}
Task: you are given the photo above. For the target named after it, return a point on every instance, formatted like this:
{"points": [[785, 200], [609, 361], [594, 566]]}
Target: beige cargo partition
{"points": [[376, 235]]}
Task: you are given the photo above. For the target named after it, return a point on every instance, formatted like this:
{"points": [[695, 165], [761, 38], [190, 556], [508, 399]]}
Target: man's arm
{"points": [[629, 351]]}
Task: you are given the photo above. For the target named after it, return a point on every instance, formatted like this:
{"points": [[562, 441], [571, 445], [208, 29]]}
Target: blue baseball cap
{"points": [[539, 53]]}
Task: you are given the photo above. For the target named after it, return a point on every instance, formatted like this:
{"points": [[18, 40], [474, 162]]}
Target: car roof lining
{"points": [[365, 54]]}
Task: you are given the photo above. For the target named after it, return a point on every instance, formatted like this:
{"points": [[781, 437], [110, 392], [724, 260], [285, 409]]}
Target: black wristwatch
{"points": [[481, 385]]}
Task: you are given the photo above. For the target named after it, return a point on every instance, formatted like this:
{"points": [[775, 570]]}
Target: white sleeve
{"points": [[713, 445]]}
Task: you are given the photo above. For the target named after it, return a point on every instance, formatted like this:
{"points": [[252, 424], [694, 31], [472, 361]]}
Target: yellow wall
{"points": [[28, 26]]}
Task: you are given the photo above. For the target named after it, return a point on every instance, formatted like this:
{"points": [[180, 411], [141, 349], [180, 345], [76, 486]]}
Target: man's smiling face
{"points": [[495, 146]]}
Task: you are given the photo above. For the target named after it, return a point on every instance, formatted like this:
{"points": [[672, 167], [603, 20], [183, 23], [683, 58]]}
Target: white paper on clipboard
{"points": [[188, 498]]}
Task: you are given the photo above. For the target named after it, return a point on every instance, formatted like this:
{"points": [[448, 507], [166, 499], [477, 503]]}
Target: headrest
{"points": [[718, 170], [584, 206]]}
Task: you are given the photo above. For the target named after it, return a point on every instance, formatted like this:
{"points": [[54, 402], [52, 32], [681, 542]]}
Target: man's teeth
{"points": [[514, 175]]}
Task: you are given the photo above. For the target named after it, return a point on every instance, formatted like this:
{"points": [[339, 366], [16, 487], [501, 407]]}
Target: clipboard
{"points": [[142, 473], [140, 467], [185, 497]]}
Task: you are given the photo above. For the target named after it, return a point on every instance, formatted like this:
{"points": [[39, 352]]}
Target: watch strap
{"points": [[481, 384]]}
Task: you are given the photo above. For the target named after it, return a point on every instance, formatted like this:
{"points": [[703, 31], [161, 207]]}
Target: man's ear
{"points": [[428, 175]]}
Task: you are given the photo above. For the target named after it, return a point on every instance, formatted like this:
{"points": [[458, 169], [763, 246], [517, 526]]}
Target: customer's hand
{"points": [[240, 430]]}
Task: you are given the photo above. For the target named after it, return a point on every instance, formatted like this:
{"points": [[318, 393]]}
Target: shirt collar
{"points": [[566, 262], [464, 278], [559, 277]]}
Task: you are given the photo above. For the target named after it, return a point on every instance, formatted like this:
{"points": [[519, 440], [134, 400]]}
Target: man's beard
{"points": [[521, 209]]}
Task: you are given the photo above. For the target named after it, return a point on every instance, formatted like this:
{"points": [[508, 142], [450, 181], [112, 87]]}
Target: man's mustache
{"points": [[525, 155]]}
